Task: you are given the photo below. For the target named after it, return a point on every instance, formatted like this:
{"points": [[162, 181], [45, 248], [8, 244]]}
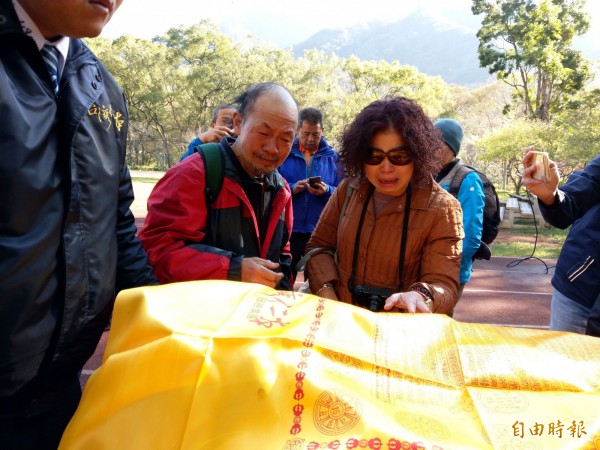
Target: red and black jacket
{"points": [[186, 239]]}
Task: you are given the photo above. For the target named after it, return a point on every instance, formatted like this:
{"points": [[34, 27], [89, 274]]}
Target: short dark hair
{"points": [[402, 115], [311, 115], [247, 99], [221, 107]]}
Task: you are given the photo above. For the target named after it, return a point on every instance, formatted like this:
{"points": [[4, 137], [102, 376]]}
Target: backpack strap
{"points": [[459, 176], [213, 164]]}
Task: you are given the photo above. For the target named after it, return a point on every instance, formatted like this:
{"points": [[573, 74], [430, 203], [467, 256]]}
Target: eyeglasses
{"points": [[398, 157]]}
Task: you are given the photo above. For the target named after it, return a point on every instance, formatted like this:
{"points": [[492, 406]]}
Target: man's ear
{"points": [[237, 122]]}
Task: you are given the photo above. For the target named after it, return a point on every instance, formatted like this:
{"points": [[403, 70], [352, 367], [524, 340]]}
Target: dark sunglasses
{"points": [[398, 157]]}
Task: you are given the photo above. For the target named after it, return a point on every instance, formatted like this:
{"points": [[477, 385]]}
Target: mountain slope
{"points": [[418, 40]]}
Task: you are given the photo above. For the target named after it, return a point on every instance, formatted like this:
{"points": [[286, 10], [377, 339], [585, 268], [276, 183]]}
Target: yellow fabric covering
{"points": [[226, 365]]}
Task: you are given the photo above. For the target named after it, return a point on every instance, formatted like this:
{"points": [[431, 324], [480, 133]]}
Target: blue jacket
{"points": [[308, 207], [191, 148], [472, 201], [577, 273]]}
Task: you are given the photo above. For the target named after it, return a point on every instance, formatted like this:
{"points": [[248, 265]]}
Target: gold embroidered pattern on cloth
{"points": [[223, 365]]}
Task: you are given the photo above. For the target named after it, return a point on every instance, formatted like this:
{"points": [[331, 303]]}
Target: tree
{"points": [[479, 110], [579, 128], [208, 63], [508, 143], [142, 71], [173, 83], [527, 44], [371, 80]]}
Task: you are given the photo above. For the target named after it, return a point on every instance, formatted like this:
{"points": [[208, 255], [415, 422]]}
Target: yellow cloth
{"points": [[226, 365]]}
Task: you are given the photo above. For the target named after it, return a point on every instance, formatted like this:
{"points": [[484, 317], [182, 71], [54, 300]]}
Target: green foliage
{"points": [[149, 180], [578, 125], [527, 44], [173, 83], [572, 139], [507, 143], [523, 250]]}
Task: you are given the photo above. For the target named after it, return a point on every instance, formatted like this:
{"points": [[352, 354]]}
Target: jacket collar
{"points": [[446, 170], [323, 147]]}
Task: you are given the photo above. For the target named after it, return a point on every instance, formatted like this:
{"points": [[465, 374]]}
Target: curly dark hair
{"points": [[402, 115]]}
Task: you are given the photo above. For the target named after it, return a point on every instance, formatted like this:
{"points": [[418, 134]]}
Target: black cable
{"points": [[516, 262]]}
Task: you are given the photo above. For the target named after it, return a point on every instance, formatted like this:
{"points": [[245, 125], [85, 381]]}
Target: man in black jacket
{"points": [[67, 235], [575, 305]]}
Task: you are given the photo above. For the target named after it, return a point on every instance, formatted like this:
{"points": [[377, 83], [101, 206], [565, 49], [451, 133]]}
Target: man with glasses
{"points": [[312, 173], [470, 195]]}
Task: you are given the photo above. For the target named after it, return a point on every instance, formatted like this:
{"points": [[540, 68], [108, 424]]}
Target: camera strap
{"points": [[402, 242]]}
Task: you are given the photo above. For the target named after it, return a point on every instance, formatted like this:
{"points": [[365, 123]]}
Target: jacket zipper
{"points": [[74, 68]]}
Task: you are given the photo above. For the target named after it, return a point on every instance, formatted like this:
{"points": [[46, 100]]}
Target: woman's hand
{"points": [[412, 302]]}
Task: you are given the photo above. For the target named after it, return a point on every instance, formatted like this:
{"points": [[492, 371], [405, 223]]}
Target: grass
{"points": [[519, 242], [145, 179], [524, 250]]}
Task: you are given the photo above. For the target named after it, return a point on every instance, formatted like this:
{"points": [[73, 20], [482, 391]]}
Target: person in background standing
{"points": [[470, 195], [311, 156], [221, 126], [67, 236]]}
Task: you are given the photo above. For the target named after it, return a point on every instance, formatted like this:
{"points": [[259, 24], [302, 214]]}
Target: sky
{"points": [[285, 22]]}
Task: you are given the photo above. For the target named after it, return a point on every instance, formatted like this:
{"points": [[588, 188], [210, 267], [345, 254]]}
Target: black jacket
{"points": [[67, 236]]}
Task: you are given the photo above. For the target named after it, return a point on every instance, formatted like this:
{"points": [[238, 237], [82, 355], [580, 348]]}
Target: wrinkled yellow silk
{"points": [[226, 365]]}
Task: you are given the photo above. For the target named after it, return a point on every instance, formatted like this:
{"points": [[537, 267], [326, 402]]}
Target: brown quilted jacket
{"points": [[433, 248]]}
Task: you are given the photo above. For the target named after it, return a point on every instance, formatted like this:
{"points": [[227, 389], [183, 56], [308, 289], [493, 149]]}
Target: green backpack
{"points": [[213, 163]]}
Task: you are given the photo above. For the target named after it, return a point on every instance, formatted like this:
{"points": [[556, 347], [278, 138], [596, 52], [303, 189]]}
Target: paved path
{"points": [[514, 296], [143, 183]]}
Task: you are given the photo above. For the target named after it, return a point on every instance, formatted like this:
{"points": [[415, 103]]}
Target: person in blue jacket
{"points": [[221, 125], [311, 156], [576, 298], [470, 195]]}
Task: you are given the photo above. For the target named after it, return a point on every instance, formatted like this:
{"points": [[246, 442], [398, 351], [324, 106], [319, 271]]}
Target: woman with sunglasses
{"points": [[395, 233]]}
